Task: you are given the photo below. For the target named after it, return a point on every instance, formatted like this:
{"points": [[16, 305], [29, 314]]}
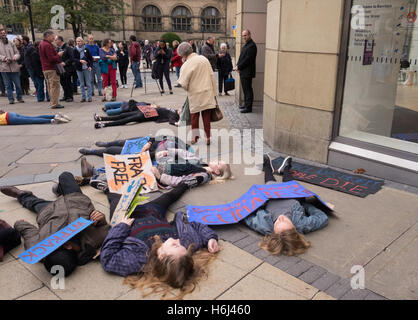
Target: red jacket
{"points": [[177, 61], [135, 52], [48, 55]]}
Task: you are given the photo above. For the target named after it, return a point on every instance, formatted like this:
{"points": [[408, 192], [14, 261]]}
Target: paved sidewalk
{"points": [[378, 232]]}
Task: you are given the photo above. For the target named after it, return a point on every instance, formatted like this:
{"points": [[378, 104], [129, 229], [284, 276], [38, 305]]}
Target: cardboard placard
{"points": [[134, 146]]}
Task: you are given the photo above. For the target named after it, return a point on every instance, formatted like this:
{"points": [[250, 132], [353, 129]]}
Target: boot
{"points": [[13, 191], [86, 168]]}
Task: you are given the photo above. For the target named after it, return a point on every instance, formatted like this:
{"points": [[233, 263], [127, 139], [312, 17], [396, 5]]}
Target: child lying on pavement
{"points": [[283, 221], [160, 255], [13, 118]]}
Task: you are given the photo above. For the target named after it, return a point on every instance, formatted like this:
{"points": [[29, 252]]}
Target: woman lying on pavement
{"points": [[156, 144], [157, 254], [13, 118], [283, 221], [179, 165], [153, 113], [52, 216]]}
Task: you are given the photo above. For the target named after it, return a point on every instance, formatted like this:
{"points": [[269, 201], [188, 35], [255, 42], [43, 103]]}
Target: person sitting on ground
{"points": [[154, 145], [13, 118], [118, 107], [154, 253], [162, 115], [52, 216], [284, 221], [9, 238]]}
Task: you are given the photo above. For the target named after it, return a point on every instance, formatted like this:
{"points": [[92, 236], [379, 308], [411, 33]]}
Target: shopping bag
{"points": [[229, 83]]}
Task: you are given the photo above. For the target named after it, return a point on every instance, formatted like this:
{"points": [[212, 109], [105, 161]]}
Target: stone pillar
{"points": [[302, 49], [252, 15]]}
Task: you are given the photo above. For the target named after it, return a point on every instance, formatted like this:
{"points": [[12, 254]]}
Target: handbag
{"points": [[229, 83], [185, 119], [59, 68], [216, 114]]}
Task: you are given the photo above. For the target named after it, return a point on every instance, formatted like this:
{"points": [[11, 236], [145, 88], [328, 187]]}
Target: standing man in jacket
{"points": [[49, 59], [9, 67], [67, 57], [208, 51], [135, 55], [246, 69]]}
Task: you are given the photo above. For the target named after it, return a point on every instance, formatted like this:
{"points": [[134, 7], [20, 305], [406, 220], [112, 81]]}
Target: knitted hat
{"points": [[64, 258]]}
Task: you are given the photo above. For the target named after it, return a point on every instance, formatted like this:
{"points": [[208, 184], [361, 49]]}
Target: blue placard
{"points": [[53, 242], [253, 199], [135, 145]]}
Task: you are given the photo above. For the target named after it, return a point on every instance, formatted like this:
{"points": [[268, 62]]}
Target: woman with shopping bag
{"points": [[196, 77]]}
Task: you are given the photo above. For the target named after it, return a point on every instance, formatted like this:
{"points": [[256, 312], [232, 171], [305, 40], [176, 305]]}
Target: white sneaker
{"points": [[64, 116], [59, 119]]}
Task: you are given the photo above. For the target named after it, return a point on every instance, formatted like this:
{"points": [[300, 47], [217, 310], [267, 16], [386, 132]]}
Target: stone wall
{"points": [[302, 47]]}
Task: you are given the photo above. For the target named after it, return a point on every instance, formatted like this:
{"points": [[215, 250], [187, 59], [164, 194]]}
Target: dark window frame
{"points": [[152, 22], [211, 23]]}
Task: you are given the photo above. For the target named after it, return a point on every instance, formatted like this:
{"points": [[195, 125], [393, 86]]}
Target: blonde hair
{"points": [[80, 38], [223, 176], [289, 243], [162, 275]]}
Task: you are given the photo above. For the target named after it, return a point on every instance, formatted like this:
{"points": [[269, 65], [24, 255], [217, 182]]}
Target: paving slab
{"points": [[254, 288], [50, 155], [282, 279], [40, 294], [394, 273], [237, 257], [322, 296], [16, 281]]}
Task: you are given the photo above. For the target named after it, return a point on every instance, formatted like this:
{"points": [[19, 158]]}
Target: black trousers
{"points": [[221, 81], [109, 150], [247, 88], [164, 201], [126, 117], [122, 73], [164, 70], [66, 185], [67, 85], [2, 87]]}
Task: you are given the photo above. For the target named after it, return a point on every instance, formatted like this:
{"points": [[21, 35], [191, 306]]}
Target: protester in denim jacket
{"points": [[283, 221]]}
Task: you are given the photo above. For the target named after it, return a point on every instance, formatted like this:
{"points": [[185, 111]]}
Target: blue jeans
{"points": [[96, 72], [40, 89], [85, 80], [137, 74], [10, 78], [177, 72], [15, 118], [113, 108]]}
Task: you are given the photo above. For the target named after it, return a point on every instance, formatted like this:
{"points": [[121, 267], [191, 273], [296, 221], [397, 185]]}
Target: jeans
{"points": [[85, 80], [177, 72], [66, 185], [137, 74], [10, 78], [96, 72], [15, 119], [31, 75], [113, 108], [40, 88]]}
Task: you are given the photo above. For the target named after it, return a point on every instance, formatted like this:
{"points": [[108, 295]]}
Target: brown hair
{"points": [[161, 275], [289, 242]]}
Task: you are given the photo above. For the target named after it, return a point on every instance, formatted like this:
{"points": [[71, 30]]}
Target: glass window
{"points": [[151, 18], [181, 19], [380, 100], [211, 20]]}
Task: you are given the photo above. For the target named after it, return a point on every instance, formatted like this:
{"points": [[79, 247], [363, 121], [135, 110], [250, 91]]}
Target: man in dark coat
{"points": [[246, 69], [67, 57], [208, 51]]}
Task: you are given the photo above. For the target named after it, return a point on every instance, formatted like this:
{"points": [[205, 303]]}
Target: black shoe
{"points": [[83, 100], [99, 185], [21, 101], [286, 162], [63, 99], [13, 191], [268, 162], [246, 110], [69, 100], [242, 107], [11, 102]]}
